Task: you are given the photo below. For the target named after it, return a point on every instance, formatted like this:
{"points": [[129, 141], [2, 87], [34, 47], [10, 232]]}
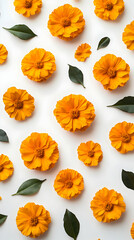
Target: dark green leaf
{"points": [[3, 136], [128, 179], [103, 43], [126, 104], [76, 75], [71, 224], [30, 187], [21, 31], [2, 218]]}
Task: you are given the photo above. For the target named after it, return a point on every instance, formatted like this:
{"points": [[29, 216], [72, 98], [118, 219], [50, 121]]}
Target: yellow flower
{"points": [[33, 220], [90, 153], [66, 22], [83, 52], [38, 65], [111, 71], [39, 151], [132, 231], [28, 7], [19, 104], [3, 53], [0, 198], [108, 9], [122, 137], [6, 167], [128, 36], [69, 184], [107, 205], [74, 113]]}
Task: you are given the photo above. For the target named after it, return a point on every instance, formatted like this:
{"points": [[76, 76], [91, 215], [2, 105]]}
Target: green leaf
{"points": [[128, 179], [2, 218], [71, 224], [21, 31], [103, 43], [29, 187], [126, 104], [76, 75], [3, 136]]}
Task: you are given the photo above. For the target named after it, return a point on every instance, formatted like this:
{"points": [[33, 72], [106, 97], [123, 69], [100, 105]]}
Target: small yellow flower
{"points": [[6, 167], [69, 183], [132, 231], [128, 36], [33, 220], [3, 53], [83, 52], [28, 7]]}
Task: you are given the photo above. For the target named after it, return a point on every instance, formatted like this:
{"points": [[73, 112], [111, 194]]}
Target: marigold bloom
{"points": [[111, 71], [28, 7], [39, 151], [38, 65], [3, 53], [6, 167], [33, 220], [107, 205], [83, 52], [128, 36], [0, 198], [122, 137], [90, 153], [132, 231], [108, 9], [66, 22], [74, 113], [19, 104], [69, 183]]}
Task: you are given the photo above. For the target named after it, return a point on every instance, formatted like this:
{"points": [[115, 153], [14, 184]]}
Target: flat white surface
{"points": [[108, 173]]}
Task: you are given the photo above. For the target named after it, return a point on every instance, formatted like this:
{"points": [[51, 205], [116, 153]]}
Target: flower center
{"points": [[28, 4], [90, 153], [69, 184], [65, 22], [39, 65], [40, 153], [34, 221], [109, 207], [1, 168], [18, 104], [75, 114], [109, 6], [126, 138], [111, 72]]}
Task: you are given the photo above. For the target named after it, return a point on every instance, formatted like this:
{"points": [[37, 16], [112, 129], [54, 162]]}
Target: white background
{"points": [[108, 174]]}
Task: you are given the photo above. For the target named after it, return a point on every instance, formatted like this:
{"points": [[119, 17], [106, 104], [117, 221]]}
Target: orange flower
{"points": [[39, 151], [108, 9], [3, 53], [122, 137], [107, 205], [66, 22], [90, 153], [74, 113], [38, 65], [83, 52], [68, 183], [111, 71], [32, 220], [128, 36], [6, 167], [28, 7], [0, 198], [132, 231], [19, 104]]}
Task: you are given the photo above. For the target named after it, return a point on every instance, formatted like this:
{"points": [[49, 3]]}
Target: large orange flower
{"points": [[69, 183], [28, 7], [108, 9], [128, 36], [6, 167], [3, 53], [83, 52], [90, 153], [132, 231], [38, 65], [19, 104], [33, 220], [66, 22], [122, 137], [74, 113], [107, 205], [111, 71], [39, 151]]}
